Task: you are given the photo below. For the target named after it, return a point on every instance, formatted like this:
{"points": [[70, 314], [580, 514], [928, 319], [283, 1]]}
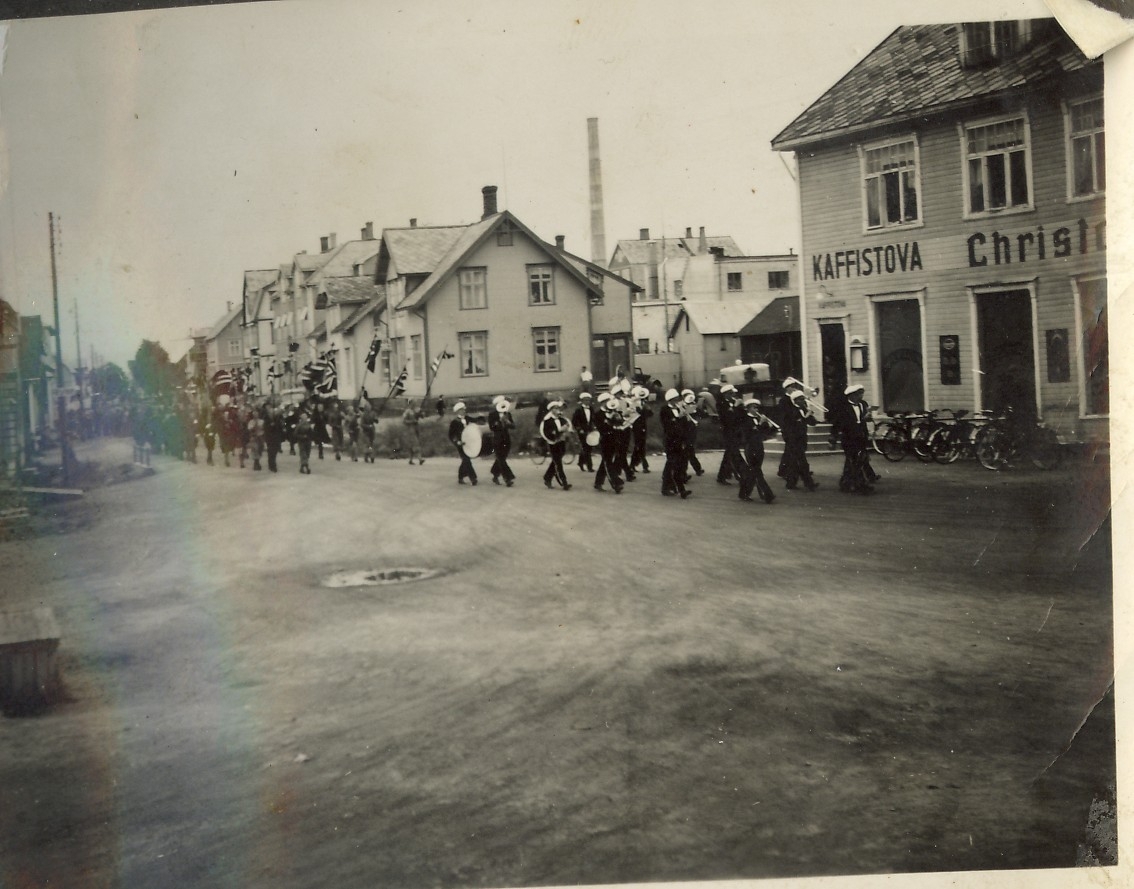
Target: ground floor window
{"points": [[415, 352], [474, 354], [546, 343], [901, 365], [1094, 352]]}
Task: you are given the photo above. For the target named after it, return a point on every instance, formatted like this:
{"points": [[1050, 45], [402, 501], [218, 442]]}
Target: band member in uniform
{"points": [[334, 415], [209, 437], [731, 417], [690, 402], [410, 419], [639, 429], [304, 435], [501, 423], [255, 427], [755, 427], [795, 418], [583, 421], [624, 421], [367, 427], [273, 434], [553, 430], [456, 429], [848, 419], [673, 422], [604, 419]]}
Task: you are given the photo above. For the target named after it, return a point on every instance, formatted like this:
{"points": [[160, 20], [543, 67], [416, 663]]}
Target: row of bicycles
{"points": [[995, 440]]}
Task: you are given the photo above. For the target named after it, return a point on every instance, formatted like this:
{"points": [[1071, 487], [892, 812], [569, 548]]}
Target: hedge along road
{"points": [[593, 688]]}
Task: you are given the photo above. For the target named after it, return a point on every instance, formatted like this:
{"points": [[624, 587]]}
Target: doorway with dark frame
{"points": [[833, 346], [1007, 352]]}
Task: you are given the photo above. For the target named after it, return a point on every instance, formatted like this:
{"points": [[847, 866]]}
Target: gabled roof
{"points": [[471, 238], [917, 70], [319, 331], [727, 316], [377, 303], [416, 251], [584, 266], [226, 319], [310, 262], [342, 260], [638, 251], [256, 283], [348, 289], [773, 319]]}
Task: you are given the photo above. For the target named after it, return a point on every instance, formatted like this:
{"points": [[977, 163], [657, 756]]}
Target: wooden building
{"points": [[954, 252]]}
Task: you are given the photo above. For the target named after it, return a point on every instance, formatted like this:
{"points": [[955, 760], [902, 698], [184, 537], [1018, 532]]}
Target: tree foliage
{"points": [[152, 370], [110, 381]]}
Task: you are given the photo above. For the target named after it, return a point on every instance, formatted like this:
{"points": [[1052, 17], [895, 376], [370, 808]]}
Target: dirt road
{"points": [[594, 688]]}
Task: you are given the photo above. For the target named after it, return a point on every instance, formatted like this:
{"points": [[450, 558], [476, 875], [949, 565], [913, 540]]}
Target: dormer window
{"points": [[984, 43]]}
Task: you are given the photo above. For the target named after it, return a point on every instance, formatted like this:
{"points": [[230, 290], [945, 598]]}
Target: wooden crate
{"points": [[29, 672]]}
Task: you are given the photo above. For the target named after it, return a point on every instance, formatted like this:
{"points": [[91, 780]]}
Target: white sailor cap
{"points": [[583, 395], [750, 401], [789, 382], [459, 406], [640, 392], [853, 387], [555, 403], [496, 399], [604, 396], [671, 394], [689, 397], [728, 389]]}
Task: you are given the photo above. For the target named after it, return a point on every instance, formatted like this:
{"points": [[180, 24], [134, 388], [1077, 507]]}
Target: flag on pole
{"points": [[328, 379], [437, 361], [372, 355], [400, 384]]}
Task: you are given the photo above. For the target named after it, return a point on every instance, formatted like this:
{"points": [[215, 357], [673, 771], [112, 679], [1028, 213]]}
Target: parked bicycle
{"points": [[902, 430], [538, 449], [1009, 439], [959, 437]]}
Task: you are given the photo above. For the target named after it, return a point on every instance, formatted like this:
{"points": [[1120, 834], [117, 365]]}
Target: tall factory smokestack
{"points": [[598, 227]]}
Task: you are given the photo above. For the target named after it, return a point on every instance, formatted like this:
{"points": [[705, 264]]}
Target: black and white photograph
{"points": [[502, 444]]}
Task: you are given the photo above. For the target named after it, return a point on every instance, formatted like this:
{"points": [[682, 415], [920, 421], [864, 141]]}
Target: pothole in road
{"points": [[377, 577]]}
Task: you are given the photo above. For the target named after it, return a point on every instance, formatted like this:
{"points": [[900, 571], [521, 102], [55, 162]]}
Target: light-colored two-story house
{"points": [[952, 192], [518, 315]]}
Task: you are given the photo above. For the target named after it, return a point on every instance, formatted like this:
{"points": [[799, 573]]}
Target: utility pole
{"points": [[79, 358], [60, 400]]}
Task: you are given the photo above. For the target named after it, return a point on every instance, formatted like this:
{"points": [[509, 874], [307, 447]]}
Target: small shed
{"points": [[29, 671]]}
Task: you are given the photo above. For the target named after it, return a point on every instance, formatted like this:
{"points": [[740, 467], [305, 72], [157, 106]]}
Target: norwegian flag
{"points": [[223, 383], [399, 384], [372, 355], [329, 377], [437, 361]]}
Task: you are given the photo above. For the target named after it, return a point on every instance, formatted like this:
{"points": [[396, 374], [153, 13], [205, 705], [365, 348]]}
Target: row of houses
{"points": [[508, 310]]}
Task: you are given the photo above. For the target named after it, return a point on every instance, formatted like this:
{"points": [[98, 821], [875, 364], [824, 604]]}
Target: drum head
{"points": [[471, 440], [593, 438]]}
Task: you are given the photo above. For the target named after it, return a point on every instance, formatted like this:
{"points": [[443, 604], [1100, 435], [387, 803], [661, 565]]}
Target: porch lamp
{"points": [[859, 354]]}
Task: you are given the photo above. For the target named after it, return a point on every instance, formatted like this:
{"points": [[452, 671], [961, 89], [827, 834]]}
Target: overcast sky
{"points": [[180, 147]]}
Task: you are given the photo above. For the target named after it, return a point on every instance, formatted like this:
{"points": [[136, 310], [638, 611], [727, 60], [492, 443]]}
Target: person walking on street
{"points": [[731, 416], [456, 431], [501, 423], [673, 420], [755, 428], [553, 430], [848, 420], [584, 423], [410, 418]]}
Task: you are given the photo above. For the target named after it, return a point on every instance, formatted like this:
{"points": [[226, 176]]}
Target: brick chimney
{"points": [[560, 240], [643, 234], [489, 192], [702, 242], [688, 231], [323, 245], [413, 222], [368, 232]]}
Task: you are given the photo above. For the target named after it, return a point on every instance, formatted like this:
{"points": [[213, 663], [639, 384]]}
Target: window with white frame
{"points": [[416, 356], [473, 288], [474, 353], [541, 289], [890, 184], [996, 165], [1086, 147], [234, 348], [1094, 355], [546, 343]]}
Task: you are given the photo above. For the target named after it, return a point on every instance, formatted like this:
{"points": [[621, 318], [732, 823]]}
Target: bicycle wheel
{"points": [[572, 449], [537, 450], [944, 446], [880, 430], [894, 444], [920, 442], [992, 450], [1047, 452]]}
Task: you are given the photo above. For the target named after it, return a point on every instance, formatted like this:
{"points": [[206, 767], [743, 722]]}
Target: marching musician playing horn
{"points": [[605, 418], [673, 422], [583, 421], [689, 400], [456, 431], [501, 423], [554, 430], [731, 417], [795, 418], [639, 428], [755, 428]]}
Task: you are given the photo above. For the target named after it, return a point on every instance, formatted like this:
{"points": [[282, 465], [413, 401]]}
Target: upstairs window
{"points": [[777, 280], [1086, 149], [996, 165], [985, 43], [890, 184], [473, 287], [541, 290], [734, 281]]}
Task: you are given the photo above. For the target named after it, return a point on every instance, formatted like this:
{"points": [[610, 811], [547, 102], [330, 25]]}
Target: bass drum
{"points": [[472, 440], [593, 438]]}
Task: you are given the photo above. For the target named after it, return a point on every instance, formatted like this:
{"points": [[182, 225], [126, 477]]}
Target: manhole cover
{"points": [[380, 577]]}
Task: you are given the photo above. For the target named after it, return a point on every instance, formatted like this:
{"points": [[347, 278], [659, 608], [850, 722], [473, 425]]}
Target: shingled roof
{"points": [[418, 251], [638, 251], [349, 289], [916, 71]]}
